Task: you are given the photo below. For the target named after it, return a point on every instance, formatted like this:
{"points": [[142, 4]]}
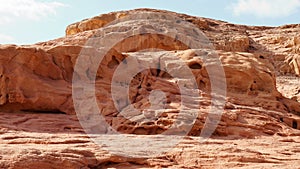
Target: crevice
{"points": [[281, 119], [298, 92], [295, 124], [133, 162], [43, 111], [195, 66]]}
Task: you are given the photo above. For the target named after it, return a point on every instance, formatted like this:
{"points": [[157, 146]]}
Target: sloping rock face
{"points": [[41, 128]]}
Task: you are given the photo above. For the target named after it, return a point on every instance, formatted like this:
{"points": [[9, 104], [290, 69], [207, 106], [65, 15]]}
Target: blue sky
{"points": [[31, 21]]}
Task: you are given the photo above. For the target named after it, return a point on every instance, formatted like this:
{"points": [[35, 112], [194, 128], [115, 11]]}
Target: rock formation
{"points": [[261, 117]]}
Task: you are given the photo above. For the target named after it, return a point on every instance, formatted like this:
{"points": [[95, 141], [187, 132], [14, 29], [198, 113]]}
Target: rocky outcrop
{"points": [[283, 45], [262, 104], [94, 23]]}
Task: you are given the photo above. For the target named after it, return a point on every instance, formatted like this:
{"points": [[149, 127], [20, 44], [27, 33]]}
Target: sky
{"points": [[32, 21]]}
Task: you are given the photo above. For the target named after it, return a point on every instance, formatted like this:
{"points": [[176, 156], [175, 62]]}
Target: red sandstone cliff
{"points": [[259, 126]]}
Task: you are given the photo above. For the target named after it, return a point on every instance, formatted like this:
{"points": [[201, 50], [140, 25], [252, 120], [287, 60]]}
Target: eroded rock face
{"points": [[34, 80], [94, 23], [282, 44], [262, 103]]}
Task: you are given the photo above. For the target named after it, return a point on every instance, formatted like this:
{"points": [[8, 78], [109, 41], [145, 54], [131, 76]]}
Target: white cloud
{"points": [[265, 8], [5, 38], [26, 9]]}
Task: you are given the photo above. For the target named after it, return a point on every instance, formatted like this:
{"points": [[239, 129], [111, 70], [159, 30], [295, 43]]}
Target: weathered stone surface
{"points": [[36, 150], [282, 43], [259, 126], [93, 23]]}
